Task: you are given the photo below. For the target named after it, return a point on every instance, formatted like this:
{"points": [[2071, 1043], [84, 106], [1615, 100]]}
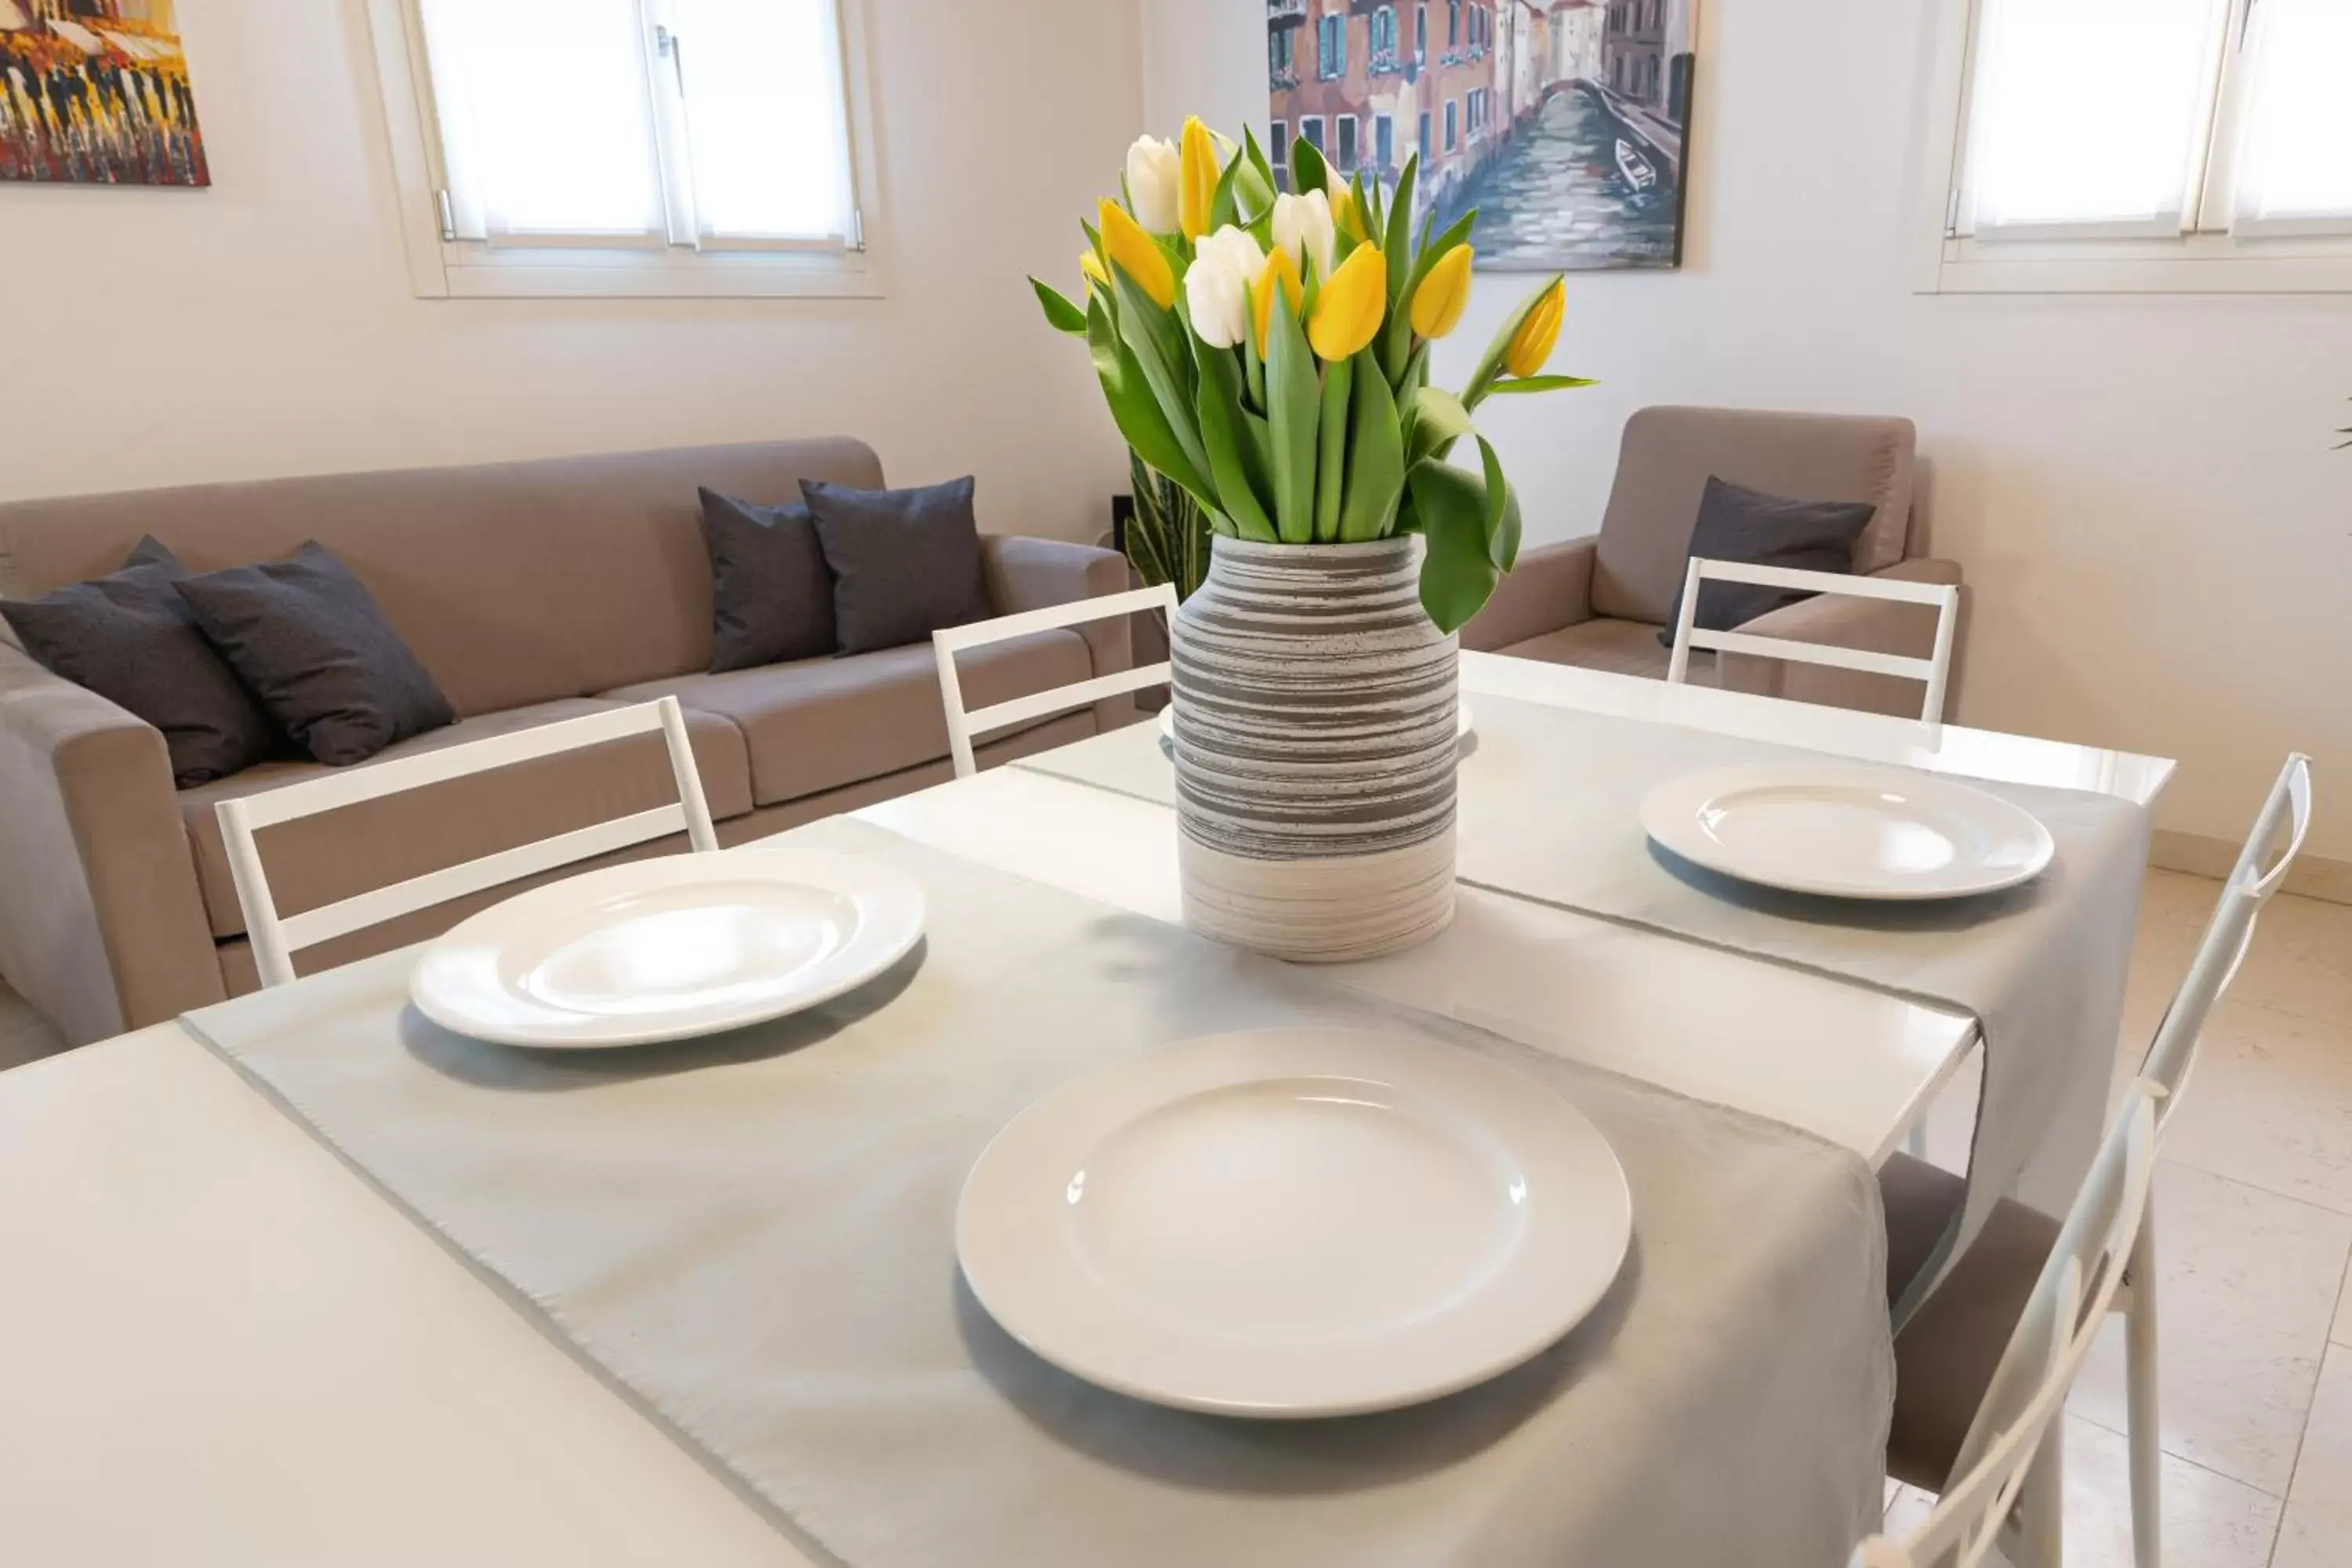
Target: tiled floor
{"points": [[2255, 1200], [2254, 1205]]}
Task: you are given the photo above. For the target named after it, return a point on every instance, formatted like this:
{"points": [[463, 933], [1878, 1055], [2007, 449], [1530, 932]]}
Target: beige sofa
{"points": [[532, 591], [1602, 602]]}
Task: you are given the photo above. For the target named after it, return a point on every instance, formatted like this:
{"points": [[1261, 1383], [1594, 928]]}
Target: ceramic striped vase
{"points": [[1314, 750]]}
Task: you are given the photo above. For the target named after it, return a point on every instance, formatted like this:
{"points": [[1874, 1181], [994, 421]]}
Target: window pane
{"points": [[2090, 112], [2298, 156], [765, 121], [546, 116]]}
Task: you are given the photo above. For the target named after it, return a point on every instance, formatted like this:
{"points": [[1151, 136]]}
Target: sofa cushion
{"points": [[1736, 523], [1668, 454], [824, 723], [770, 595], [905, 564], [1621, 648], [130, 638], [325, 859], [305, 636]]}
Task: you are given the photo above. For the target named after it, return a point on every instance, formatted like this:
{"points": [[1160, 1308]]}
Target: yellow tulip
{"points": [[1438, 301], [1282, 270], [1091, 265], [1197, 184], [1138, 255], [1344, 215], [1348, 311], [1532, 344]]}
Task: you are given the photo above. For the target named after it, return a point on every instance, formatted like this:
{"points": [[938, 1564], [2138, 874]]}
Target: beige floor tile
{"points": [[2249, 1287], [2209, 1521], [2342, 1334], [2317, 1530], [2301, 962], [2270, 1104]]}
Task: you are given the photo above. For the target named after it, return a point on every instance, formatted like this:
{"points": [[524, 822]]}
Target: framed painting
{"points": [[1561, 122], [95, 92]]}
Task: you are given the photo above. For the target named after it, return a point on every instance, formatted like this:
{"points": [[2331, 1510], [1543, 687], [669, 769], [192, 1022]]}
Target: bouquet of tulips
{"points": [[1270, 354]]}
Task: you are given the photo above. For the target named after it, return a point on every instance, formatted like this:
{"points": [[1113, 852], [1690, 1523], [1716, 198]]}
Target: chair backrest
{"points": [[2252, 884], [1668, 454], [1936, 669], [2022, 1408], [964, 725], [276, 940]]}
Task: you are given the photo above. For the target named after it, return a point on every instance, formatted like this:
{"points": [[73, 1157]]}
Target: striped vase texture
{"points": [[1314, 750]]}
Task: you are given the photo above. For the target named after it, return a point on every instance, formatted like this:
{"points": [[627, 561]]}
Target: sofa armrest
{"points": [[1878, 625], [1032, 574], [1549, 590], [101, 926]]}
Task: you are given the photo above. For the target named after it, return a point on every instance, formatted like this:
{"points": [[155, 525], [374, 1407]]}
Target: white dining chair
{"points": [[2008, 1489], [1936, 669], [964, 725], [1948, 1348], [277, 938]]}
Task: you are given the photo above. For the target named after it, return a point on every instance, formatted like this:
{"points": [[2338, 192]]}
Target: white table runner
{"points": [[751, 1239], [1550, 810]]}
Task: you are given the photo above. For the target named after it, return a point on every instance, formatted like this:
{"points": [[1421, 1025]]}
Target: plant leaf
{"points": [[1331, 464], [1399, 234], [1438, 421], [1511, 385], [1376, 448], [1137, 413], [1307, 170], [1502, 511], [1294, 408], [1490, 364], [1156, 339], [1060, 314], [1223, 206], [1457, 574], [1431, 249], [1219, 407]]}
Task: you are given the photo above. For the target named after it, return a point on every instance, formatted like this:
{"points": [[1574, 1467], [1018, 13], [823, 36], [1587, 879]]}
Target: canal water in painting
{"points": [[1571, 188]]}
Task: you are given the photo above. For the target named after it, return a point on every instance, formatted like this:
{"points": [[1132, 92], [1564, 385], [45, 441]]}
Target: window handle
{"points": [[671, 47]]}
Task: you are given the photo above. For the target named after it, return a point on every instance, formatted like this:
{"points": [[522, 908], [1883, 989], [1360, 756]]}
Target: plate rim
{"points": [[897, 886], [1669, 810], [1568, 1310]]}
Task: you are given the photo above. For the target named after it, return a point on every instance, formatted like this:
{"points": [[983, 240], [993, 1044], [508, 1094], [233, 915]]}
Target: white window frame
{"points": [[441, 267], [2104, 260]]}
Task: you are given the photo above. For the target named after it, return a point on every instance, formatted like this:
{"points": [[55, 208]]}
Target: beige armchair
{"points": [[1603, 601]]}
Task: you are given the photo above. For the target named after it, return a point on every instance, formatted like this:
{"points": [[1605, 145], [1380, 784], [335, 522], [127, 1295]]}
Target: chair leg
{"points": [[2140, 1378], [2040, 1540]]}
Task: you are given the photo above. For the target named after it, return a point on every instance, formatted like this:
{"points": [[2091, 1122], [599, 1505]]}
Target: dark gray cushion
{"points": [[1736, 523], [305, 635], [131, 639], [904, 563], [770, 595]]}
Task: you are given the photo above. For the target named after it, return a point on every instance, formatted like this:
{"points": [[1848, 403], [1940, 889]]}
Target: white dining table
{"points": [[219, 1346]]}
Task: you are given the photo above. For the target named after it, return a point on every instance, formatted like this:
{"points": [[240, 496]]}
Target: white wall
{"points": [[267, 326], [2142, 490]]}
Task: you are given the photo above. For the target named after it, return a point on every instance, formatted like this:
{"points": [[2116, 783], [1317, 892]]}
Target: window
{"points": [[1280, 148], [1423, 143], [1421, 32], [1331, 47], [1282, 47], [1384, 143], [1346, 126], [1310, 131], [1453, 23], [1451, 140], [2145, 145], [615, 147]]}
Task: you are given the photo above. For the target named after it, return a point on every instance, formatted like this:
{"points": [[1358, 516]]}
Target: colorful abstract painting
{"points": [[1562, 122], [95, 92]]}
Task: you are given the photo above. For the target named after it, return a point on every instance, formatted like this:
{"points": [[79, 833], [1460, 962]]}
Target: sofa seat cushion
{"points": [[1621, 648], [820, 723], [326, 858]]}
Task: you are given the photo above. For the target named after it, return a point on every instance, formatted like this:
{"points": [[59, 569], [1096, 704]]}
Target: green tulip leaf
{"points": [[1429, 250], [1457, 574], [1307, 170], [1060, 314], [1376, 457], [1490, 364], [1138, 415], [1437, 420], [1294, 408], [1331, 464], [1512, 385], [1157, 339], [1502, 511], [1223, 206], [1220, 416]]}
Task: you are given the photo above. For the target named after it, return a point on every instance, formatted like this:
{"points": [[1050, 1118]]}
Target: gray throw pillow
{"points": [[904, 563], [306, 637], [1736, 523], [770, 595], [129, 639]]}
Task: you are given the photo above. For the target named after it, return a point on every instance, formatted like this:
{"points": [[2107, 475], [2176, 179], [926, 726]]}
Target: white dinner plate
{"points": [[1461, 726], [1848, 832], [1294, 1223], [669, 949]]}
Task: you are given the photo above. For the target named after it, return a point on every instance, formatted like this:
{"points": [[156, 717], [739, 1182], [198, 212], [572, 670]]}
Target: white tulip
{"points": [[1302, 226], [1154, 176], [1226, 266]]}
